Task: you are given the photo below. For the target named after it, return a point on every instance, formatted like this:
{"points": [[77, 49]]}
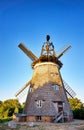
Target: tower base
{"points": [[24, 118]]}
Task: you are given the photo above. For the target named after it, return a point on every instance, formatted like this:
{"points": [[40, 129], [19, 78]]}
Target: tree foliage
{"points": [[77, 108], [75, 103], [0, 102], [8, 107], [78, 113]]}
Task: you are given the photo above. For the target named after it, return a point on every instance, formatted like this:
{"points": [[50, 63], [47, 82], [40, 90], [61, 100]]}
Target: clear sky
{"points": [[29, 21]]}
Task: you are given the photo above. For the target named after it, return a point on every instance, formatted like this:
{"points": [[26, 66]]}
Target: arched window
{"points": [[54, 74], [56, 87]]}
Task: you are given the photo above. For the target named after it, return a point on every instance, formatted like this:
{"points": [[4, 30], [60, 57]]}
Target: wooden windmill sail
{"points": [[46, 98]]}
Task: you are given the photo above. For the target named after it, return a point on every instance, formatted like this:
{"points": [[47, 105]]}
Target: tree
{"points": [[75, 103], [1, 102], [8, 107], [78, 113], [22, 107], [77, 108], [1, 111], [16, 110]]}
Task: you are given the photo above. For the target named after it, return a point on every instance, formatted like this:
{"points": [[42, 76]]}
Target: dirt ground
{"points": [[74, 125]]}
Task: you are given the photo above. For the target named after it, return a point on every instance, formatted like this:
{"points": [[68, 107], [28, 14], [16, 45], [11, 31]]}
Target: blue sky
{"points": [[29, 21]]}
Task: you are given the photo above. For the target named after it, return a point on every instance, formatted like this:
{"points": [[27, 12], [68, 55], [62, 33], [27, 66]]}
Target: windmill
{"points": [[47, 92]]}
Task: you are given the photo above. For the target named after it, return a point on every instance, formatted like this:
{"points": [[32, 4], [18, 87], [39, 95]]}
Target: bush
{"points": [[8, 107], [2, 120], [78, 114]]}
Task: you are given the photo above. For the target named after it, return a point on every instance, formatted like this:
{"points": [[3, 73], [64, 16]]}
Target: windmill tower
{"points": [[47, 95]]}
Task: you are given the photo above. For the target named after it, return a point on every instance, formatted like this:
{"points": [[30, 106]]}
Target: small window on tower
{"points": [[54, 74], [56, 87]]}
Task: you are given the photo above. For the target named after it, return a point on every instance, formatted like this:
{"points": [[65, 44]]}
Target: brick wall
{"points": [[43, 119], [31, 118]]}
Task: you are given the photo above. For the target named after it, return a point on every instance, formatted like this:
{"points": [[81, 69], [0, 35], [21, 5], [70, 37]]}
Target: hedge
{"points": [[78, 114]]}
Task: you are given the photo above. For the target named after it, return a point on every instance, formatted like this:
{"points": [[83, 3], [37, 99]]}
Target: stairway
{"points": [[59, 117]]}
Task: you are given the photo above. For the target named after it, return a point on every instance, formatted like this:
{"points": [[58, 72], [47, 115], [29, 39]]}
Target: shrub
{"points": [[2, 120], [78, 113]]}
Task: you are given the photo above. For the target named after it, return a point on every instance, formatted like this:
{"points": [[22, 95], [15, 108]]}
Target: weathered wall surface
{"points": [[45, 72], [45, 76]]}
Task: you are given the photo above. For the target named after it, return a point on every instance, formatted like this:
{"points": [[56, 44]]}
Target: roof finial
{"points": [[47, 38]]}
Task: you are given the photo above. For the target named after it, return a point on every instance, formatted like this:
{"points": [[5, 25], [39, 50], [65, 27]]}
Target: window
{"points": [[38, 118], [30, 89], [56, 87], [53, 74], [39, 103]]}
